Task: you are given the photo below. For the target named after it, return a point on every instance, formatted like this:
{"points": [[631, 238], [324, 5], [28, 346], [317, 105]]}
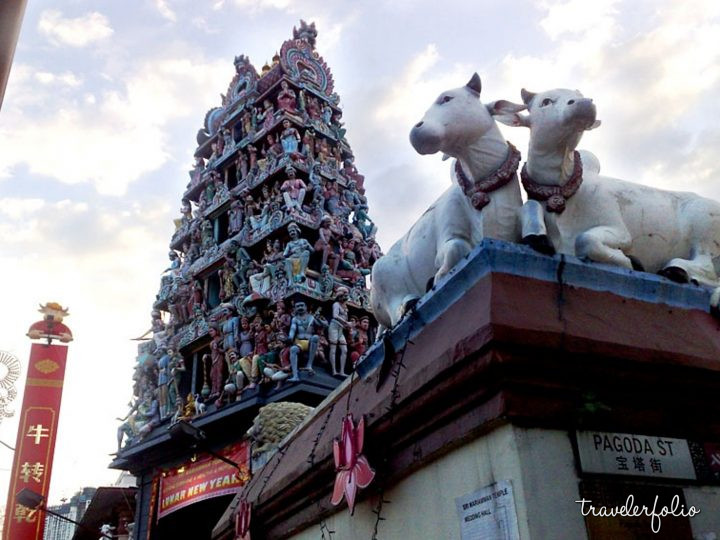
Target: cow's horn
{"points": [[527, 97], [474, 84]]}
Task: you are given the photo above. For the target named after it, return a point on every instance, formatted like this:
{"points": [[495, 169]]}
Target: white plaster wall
{"points": [[707, 522], [550, 485], [539, 464]]}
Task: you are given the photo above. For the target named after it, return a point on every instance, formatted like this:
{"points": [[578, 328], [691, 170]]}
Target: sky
{"points": [[98, 127]]}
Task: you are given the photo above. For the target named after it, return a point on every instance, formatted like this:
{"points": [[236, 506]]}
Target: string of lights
{"points": [[394, 397]]}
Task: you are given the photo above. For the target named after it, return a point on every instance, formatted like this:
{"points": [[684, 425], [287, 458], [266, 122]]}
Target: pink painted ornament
{"points": [[242, 520], [353, 469]]}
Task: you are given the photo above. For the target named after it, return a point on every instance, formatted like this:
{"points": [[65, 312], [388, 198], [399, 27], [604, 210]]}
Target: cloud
{"points": [[654, 83], [165, 10], [44, 258], [66, 78], [76, 32], [260, 5], [113, 138], [578, 17], [422, 79]]}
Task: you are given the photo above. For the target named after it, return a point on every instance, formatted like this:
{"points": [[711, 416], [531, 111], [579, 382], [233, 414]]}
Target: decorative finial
{"points": [[306, 33]]}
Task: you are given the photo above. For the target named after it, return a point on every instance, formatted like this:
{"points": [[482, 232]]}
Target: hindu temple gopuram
{"points": [[265, 296]]}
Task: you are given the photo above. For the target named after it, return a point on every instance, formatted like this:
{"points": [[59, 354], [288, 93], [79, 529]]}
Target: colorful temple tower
{"points": [[265, 298]]}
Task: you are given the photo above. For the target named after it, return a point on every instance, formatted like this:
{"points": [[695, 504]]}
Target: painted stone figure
{"points": [[247, 124], [229, 326], [582, 213], [324, 242], [326, 114], [286, 98], [359, 340], [268, 113], [163, 378], [176, 368], [363, 222], [221, 191], [143, 416], [308, 144], [243, 266], [252, 159], [235, 217], [336, 331], [290, 138], [302, 338], [459, 125], [217, 363], [208, 235], [242, 166], [293, 190], [297, 254], [332, 197], [210, 190], [272, 151], [316, 178]]}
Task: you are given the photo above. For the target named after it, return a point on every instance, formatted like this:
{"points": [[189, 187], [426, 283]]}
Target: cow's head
{"points": [[456, 119], [556, 118]]}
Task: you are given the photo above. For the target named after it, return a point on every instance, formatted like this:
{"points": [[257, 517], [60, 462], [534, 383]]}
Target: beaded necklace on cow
{"points": [[478, 190], [556, 196]]}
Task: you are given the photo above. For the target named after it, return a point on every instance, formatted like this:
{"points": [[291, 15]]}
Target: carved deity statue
{"points": [[268, 114], [208, 235], [143, 416], [303, 338], [336, 331], [308, 144], [297, 254], [324, 242], [290, 138], [286, 98], [242, 166], [293, 191]]}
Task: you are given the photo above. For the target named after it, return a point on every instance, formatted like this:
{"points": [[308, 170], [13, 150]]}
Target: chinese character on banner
{"points": [[25, 514], [622, 463], [38, 432], [34, 471], [35, 443]]}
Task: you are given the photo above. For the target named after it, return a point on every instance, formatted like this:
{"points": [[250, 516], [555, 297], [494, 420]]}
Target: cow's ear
{"points": [[474, 84], [506, 113], [595, 125], [503, 106], [527, 96]]}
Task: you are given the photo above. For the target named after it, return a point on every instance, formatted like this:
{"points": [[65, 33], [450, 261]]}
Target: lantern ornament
{"points": [[352, 468]]}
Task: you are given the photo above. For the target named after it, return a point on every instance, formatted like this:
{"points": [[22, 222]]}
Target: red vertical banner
{"points": [[36, 436]]}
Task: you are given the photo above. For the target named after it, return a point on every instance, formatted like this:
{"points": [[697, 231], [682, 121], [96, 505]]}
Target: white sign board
{"points": [[635, 455], [488, 514]]}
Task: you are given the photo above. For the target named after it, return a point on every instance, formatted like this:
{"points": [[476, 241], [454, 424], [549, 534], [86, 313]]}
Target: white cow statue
{"points": [[604, 219], [483, 200]]}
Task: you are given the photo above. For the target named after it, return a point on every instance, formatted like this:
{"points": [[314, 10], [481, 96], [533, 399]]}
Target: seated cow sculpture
{"points": [[483, 200], [603, 219]]}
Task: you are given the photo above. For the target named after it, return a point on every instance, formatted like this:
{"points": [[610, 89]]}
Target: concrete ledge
{"points": [[521, 261]]}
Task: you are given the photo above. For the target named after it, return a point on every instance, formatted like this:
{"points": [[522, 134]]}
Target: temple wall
{"points": [[540, 465]]}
